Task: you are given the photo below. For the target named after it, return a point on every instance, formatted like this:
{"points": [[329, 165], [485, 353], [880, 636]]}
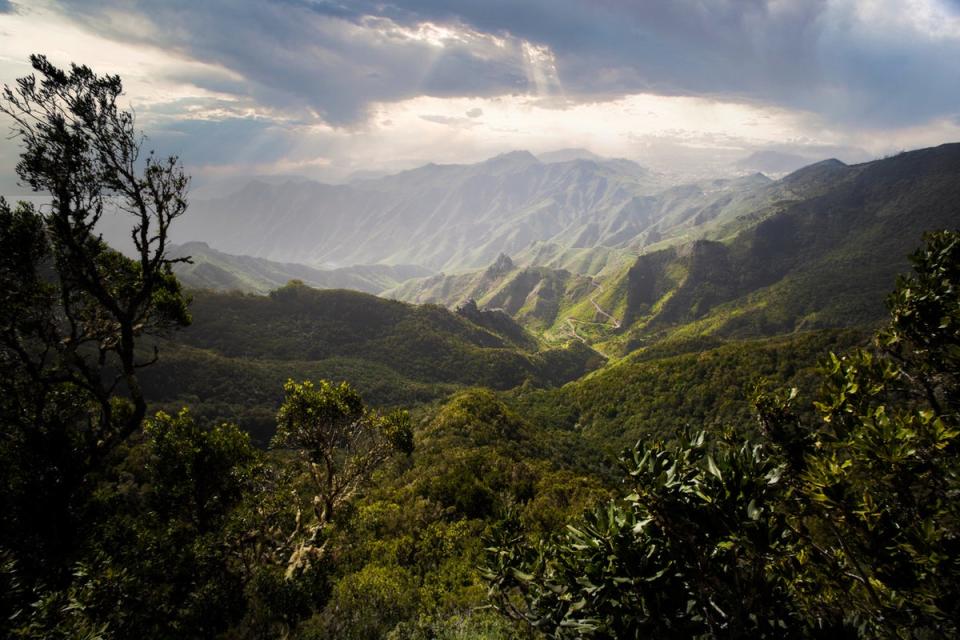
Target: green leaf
{"points": [[712, 468], [753, 512], [520, 575], [638, 528]]}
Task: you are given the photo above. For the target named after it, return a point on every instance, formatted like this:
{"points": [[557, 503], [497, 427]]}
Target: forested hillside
{"points": [[218, 271], [233, 360], [816, 249], [532, 295]]}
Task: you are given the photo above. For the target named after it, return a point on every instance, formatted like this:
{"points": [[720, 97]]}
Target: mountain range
{"points": [[573, 246], [219, 271], [568, 209], [441, 217], [817, 248]]}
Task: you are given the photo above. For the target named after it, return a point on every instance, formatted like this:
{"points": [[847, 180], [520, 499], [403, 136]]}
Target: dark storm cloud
{"points": [[809, 54], [321, 58], [336, 58]]}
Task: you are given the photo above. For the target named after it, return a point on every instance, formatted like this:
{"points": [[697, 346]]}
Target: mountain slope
{"points": [[534, 296], [241, 348], [609, 241], [218, 271], [440, 216], [818, 248], [826, 260]]}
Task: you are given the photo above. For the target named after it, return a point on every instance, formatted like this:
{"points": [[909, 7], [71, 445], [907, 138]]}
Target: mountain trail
{"points": [[593, 300], [573, 322]]}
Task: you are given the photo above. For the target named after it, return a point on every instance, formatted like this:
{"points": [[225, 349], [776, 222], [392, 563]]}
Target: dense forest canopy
{"points": [[782, 473]]}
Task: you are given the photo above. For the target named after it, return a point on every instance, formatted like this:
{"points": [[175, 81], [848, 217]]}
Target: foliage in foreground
{"points": [[73, 310], [848, 526], [193, 532]]}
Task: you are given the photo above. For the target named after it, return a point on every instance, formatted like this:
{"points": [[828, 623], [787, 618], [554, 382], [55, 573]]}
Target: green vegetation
{"points": [[746, 512], [843, 525], [534, 296], [218, 271], [241, 348], [653, 393]]}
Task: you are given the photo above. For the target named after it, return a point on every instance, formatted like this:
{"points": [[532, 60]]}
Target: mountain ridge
{"points": [[444, 217], [219, 271], [764, 271]]}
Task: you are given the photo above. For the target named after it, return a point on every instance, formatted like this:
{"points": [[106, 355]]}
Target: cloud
{"points": [[450, 121], [247, 83], [885, 62], [316, 59], [214, 141]]}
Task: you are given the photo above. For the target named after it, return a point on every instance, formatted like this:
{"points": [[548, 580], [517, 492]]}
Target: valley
{"points": [[748, 257], [797, 260]]}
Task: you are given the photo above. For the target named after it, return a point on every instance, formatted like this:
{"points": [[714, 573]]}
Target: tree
{"points": [[73, 310], [694, 551], [875, 490], [923, 335], [342, 444], [846, 526], [72, 304], [159, 525]]}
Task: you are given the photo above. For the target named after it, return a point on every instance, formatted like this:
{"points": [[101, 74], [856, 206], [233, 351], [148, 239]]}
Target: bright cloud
{"points": [[149, 73], [326, 89]]}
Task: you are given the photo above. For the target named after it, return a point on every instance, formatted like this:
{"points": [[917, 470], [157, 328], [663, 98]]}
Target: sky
{"points": [[330, 90]]}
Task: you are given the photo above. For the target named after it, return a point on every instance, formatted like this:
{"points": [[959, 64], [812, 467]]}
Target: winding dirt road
{"points": [[573, 322]]}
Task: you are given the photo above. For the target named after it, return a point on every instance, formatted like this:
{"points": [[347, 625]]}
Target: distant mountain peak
{"points": [[190, 245], [829, 163], [513, 158], [758, 178], [566, 155], [503, 264], [816, 170]]}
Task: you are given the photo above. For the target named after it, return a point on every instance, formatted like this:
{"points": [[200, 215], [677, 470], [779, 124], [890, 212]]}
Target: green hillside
{"points": [[232, 361], [534, 296], [818, 249], [218, 271], [655, 394], [824, 261]]}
